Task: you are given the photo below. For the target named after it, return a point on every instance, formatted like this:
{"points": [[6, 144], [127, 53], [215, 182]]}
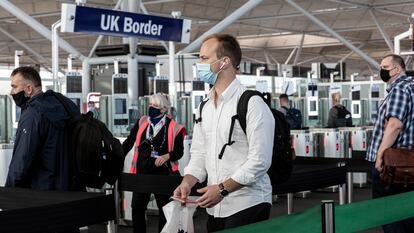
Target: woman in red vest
{"points": [[158, 142]]}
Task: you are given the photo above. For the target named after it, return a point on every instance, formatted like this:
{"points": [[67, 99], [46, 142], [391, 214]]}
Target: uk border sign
{"points": [[119, 23]]}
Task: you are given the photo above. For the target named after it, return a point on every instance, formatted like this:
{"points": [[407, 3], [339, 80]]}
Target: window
{"points": [[120, 106]]}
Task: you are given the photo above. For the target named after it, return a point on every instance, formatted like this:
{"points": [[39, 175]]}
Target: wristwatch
{"points": [[223, 192]]}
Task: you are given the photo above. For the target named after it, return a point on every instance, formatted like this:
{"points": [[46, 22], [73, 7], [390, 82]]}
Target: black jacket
{"points": [[175, 155], [40, 154], [339, 116]]}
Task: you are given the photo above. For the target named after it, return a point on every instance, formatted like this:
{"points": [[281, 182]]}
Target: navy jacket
{"points": [[40, 155]]}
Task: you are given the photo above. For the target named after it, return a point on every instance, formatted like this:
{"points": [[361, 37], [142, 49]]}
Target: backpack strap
{"points": [[200, 111], [244, 101], [241, 114], [229, 142]]}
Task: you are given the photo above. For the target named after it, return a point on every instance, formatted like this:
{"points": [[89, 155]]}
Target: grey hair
{"points": [[162, 101]]}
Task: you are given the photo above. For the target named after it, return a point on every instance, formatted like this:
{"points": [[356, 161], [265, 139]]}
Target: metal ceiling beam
{"points": [[253, 48], [382, 31], [38, 27], [145, 11], [276, 30], [100, 37], [369, 27], [302, 39], [393, 4], [333, 33], [350, 54], [350, 3], [34, 15], [383, 9], [267, 58], [292, 15], [318, 32], [355, 7], [274, 59], [253, 59], [160, 1], [291, 55], [39, 57], [308, 60], [392, 12], [251, 4]]}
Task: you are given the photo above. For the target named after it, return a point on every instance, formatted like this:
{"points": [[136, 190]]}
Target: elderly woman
{"points": [[158, 143]]}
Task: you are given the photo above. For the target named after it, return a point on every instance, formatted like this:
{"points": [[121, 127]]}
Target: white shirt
{"points": [[246, 161]]}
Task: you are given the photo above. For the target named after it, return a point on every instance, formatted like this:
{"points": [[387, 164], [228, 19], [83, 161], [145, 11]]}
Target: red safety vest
{"points": [[174, 129]]}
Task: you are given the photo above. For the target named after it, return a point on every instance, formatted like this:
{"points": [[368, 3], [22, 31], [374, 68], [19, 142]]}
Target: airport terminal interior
{"points": [[110, 56]]}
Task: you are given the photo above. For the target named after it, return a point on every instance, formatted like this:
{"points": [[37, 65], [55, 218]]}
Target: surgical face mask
{"points": [[20, 98], [205, 74], [385, 74]]}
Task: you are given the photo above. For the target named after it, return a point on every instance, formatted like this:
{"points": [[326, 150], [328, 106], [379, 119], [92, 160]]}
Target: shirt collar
{"points": [[396, 81], [160, 123], [228, 93]]}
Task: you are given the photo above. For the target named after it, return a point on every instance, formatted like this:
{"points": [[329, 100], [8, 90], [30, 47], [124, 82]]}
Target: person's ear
{"points": [[29, 90], [226, 62]]}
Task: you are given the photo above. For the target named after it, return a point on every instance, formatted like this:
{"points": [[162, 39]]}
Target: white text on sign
{"points": [[110, 23]]}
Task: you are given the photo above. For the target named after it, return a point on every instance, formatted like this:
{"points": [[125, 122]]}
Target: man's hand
{"points": [[379, 162], [211, 196], [182, 191], [162, 159]]}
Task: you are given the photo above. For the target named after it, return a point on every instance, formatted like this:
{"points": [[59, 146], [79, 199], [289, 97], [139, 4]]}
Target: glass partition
{"points": [[5, 119]]}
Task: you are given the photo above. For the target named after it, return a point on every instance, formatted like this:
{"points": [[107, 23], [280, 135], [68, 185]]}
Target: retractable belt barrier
{"points": [[355, 217], [310, 177], [304, 177], [355, 164], [157, 184], [28, 210]]}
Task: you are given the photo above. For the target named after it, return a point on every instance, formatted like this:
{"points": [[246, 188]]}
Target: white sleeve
{"points": [[196, 166]]}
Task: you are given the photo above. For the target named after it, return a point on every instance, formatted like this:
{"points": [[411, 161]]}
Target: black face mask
{"points": [[385, 74], [20, 99], [153, 112]]}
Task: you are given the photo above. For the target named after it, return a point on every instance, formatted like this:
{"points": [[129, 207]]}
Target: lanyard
{"points": [[151, 137]]}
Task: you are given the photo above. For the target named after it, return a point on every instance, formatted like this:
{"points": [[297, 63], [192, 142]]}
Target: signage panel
{"points": [[119, 23]]}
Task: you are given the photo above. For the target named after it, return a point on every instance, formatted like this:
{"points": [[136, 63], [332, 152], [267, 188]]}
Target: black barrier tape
{"points": [[158, 184], [304, 177], [28, 211]]}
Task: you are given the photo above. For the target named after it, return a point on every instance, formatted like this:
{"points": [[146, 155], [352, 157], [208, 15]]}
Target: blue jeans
{"points": [[380, 190]]}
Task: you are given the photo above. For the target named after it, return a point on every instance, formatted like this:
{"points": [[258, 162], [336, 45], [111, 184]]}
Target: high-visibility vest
{"points": [[174, 129]]}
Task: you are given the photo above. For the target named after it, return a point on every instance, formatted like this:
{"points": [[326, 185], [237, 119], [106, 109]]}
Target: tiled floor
{"points": [[278, 209]]}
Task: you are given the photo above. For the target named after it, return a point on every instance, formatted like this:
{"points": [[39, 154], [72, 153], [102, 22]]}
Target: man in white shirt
{"points": [[238, 190]]}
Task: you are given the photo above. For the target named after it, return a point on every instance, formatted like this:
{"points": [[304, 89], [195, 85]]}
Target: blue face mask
{"points": [[205, 74]]}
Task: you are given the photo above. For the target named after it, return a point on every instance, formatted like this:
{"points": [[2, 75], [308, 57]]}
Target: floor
{"points": [[279, 208]]}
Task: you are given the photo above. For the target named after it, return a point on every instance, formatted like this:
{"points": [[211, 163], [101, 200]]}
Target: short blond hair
{"points": [[336, 97], [162, 101]]}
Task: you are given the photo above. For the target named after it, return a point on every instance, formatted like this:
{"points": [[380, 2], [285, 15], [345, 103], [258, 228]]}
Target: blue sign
{"points": [[119, 23]]}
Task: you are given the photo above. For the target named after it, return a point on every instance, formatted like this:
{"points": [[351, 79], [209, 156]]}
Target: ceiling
{"points": [[267, 33]]}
